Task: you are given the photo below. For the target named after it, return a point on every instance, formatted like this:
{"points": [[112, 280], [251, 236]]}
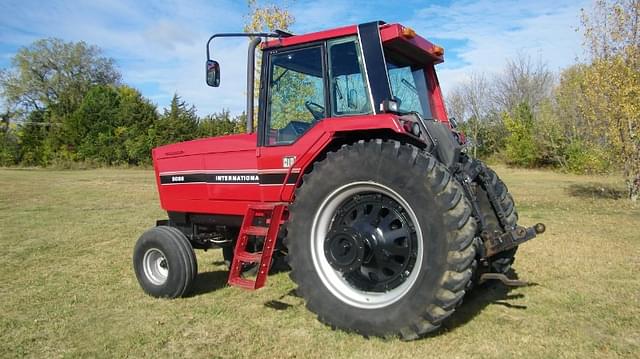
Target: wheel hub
{"points": [[155, 266], [345, 249], [372, 242]]}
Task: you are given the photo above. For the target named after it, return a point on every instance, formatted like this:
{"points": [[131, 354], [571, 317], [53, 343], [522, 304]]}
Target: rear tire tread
{"points": [[459, 238]]}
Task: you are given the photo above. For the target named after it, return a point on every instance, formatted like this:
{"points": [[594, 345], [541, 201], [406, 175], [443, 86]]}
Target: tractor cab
{"points": [[363, 70]]}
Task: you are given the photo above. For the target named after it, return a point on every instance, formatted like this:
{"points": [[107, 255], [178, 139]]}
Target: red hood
{"points": [[230, 143]]}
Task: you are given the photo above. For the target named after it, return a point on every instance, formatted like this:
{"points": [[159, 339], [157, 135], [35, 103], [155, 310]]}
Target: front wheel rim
{"points": [[155, 266], [336, 281]]}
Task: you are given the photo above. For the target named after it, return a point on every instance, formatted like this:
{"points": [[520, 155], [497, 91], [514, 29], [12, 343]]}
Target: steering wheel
{"points": [[316, 110]]}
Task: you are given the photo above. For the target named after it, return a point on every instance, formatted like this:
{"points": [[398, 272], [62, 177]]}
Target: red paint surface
{"points": [[393, 32], [438, 110], [239, 153], [311, 37]]}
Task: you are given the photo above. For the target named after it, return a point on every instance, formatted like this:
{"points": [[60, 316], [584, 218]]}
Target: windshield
{"points": [[408, 85]]}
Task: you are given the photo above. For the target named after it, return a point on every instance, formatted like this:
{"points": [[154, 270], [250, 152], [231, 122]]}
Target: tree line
{"points": [[66, 104], [586, 119]]}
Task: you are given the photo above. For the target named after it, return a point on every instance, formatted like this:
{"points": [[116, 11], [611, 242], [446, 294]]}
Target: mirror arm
{"points": [[256, 39], [240, 34]]}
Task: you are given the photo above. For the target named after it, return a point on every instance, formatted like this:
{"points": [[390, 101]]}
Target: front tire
{"points": [[380, 240], [164, 262]]}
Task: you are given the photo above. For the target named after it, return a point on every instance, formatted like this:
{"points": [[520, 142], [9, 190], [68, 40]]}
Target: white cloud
{"points": [[158, 45], [495, 31]]}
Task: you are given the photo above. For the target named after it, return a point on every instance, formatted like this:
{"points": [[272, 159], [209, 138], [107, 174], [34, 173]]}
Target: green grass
{"points": [[67, 288]]}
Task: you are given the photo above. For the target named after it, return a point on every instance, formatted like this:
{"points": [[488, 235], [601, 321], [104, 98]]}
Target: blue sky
{"points": [[159, 45]]}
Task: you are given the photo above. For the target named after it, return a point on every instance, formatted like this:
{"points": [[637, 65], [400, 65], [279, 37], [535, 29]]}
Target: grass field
{"points": [[67, 288]]}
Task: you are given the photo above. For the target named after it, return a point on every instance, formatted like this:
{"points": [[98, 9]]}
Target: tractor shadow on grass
{"points": [[492, 292], [279, 304], [208, 282], [596, 191]]}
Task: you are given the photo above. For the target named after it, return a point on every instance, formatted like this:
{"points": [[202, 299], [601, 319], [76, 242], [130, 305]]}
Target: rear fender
{"points": [[445, 145], [435, 137], [332, 133]]}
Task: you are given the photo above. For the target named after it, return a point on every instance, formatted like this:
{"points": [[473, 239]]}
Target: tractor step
{"points": [[242, 283], [247, 257], [272, 215], [257, 231]]}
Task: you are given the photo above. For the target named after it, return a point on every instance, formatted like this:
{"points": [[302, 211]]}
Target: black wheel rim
{"points": [[372, 241]]}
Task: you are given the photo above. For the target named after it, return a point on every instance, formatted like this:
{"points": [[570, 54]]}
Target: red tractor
{"points": [[354, 175]]}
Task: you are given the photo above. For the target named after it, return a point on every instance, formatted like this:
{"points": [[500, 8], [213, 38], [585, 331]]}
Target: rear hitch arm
{"points": [[496, 242]]}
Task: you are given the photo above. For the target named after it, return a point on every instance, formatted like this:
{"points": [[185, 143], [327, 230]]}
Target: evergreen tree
{"points": [[139, 118], [178, 123]]}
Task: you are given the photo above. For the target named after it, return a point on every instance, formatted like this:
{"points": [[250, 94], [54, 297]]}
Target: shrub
{"points": [[520, 149], [584, 159]]}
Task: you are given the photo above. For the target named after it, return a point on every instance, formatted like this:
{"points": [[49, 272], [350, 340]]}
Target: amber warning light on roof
{"points": [[408, 32], [437, 50]]}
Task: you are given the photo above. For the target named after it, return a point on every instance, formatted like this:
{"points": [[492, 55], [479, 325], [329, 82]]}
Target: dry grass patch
{"points": [[68, 288]]}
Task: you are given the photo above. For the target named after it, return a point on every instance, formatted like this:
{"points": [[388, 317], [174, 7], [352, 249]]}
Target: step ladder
{"points": [[272, 214]]}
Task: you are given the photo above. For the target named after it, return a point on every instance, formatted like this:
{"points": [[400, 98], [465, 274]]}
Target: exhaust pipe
{"points": [[251, 65]]}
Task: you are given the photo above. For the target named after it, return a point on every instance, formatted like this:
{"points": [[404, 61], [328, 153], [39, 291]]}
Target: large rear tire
{"points": [[164, 262], [380, 240]]}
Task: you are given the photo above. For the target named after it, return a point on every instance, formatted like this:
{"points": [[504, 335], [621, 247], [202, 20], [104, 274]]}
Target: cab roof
{"points": [[395, 37]]}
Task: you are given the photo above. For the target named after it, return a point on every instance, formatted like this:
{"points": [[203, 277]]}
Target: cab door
{"points": [[293, 102], [303, 87]]}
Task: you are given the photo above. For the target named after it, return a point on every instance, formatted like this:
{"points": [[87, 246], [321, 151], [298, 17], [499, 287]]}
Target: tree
{"points": [[95, 131], [218, 124], [267, 17], [612, 82], [477, 97], [31, 135], [178, 123], [569, 100], [46, 84], [578, 146], [8, 142], [520, 145], [522, 81], [483, 104], [112, 125], [471, 103], [548, 136], [54, 73], [290, 94], [139, 118]]}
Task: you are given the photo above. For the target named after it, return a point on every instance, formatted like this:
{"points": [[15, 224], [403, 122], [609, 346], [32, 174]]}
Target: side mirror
{"points": [[453, 122], [213, 73]]}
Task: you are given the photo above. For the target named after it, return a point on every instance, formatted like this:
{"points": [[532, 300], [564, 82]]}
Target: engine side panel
{"points": [[212, 175], [223, 175]]}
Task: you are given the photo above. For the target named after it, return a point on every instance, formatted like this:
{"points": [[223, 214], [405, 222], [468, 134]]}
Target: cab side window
{"points": [[349, 92], [296, 96]]}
